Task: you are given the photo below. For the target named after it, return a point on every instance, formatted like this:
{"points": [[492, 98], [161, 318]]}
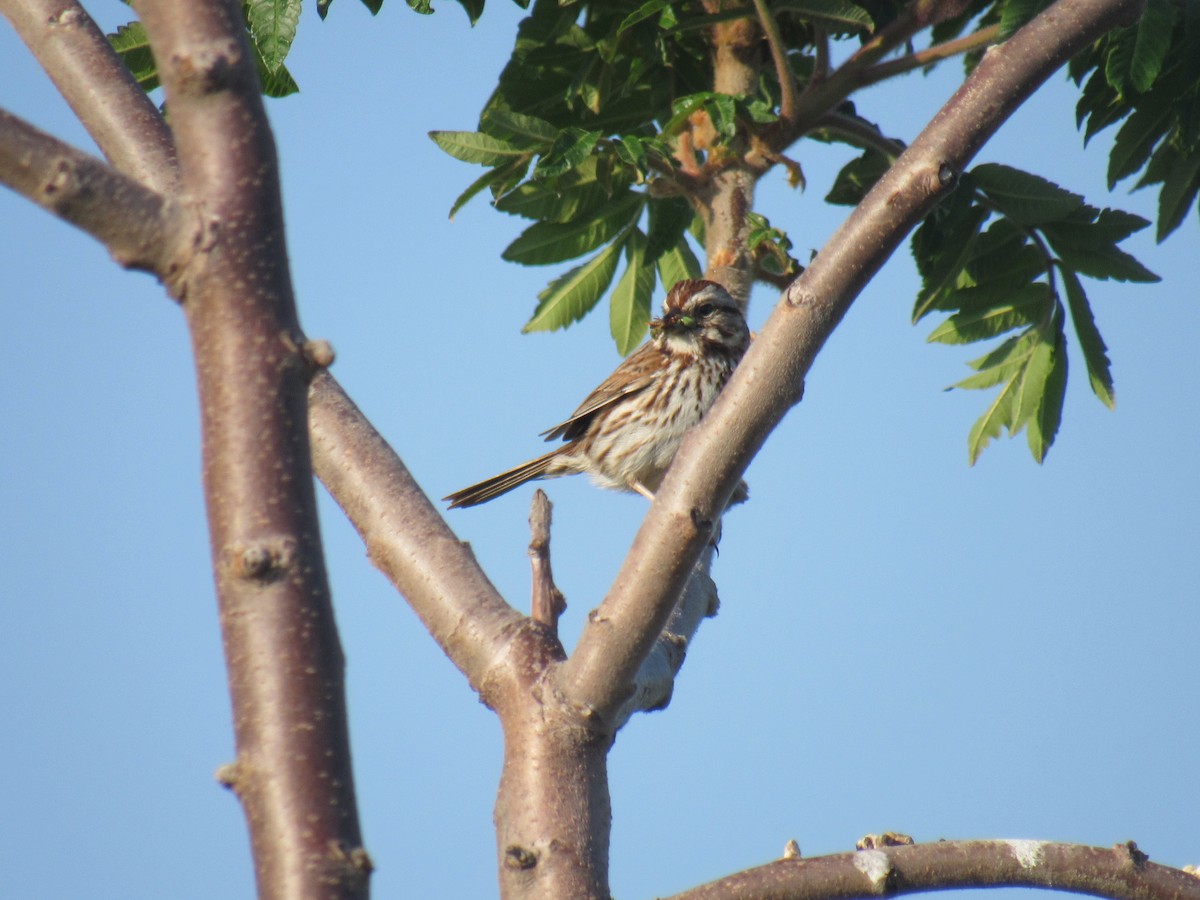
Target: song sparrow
{"points": [[625, 434]]}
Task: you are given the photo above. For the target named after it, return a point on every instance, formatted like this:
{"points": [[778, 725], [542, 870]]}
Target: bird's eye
{"points": [[704, 310]]}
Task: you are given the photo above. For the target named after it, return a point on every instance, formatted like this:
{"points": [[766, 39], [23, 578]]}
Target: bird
{"points": [[626, 432]]}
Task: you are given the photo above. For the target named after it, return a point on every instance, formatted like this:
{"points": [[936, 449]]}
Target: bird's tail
{"points": [[493, 487]]}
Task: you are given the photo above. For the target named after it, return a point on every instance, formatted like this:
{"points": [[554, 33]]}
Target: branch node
{"points": [[791, 850], [263, 561], [211, 67], [876, 866], [887, 839], [1029, 854], [318, 354], [228, 776], [519, 858], [947, 176], [1131, 855]]}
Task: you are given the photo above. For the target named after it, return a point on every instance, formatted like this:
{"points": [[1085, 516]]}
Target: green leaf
{"points": [[629, 307], [1090, 246], [997, 417], [645, 11], [133, 47], [274, 84], [1043, 424], [1001, 363], [473, 9], [1026, 305], [1095, 353], [559, 199], [476, 147], [1178, 192], [857, 177], [272, 25], [1026, 199], [1032, 385], [571, 147], [488, 179], [1004, 252], [677, 264], [424, 7], [1142, 49], [571, 296], [669, 221], [1137, 138], [837, 16], [518, 128], [1016, 13], [373, 5], [941, 248], [547, 242]]}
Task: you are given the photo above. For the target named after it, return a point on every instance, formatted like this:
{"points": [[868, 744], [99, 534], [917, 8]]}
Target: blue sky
{"points": [[904, 642]]}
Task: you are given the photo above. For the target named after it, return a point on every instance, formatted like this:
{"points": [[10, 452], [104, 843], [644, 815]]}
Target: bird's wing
{"points": [[636, 374]]}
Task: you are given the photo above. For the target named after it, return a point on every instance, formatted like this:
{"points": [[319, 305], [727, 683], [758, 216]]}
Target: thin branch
{"points": [[547, 602], [783, 70], [122, 120], [406, 537], [770, 378], [860, 133], [139, 226], [977, 40], [1121, 873]]}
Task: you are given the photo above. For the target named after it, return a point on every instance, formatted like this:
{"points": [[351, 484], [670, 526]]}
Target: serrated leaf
{"points": [[837, 16], [997, 417], [272, 25], [677, 264], [560, 200], [373, 5], [571, 147], [1025, 198], [133, 47], [1032, 385], [1002, 363], [275, 84], [571, 296], [547, 242], [1179, 189], [1119, 62], [323, 8], [1095, 353], [476, 147], [1136, 140], [629, 307], [941, 247], [518, 128], [1026, 305], [1090, 247], [1042, 426], [1004, 252], [424, 7], [487, 180]]}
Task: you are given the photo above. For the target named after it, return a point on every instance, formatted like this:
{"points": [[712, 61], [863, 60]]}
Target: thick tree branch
{"points": [[293, 772], [1121, 873], [599, 674], [139, 226], [407, 538], [121, 119]]}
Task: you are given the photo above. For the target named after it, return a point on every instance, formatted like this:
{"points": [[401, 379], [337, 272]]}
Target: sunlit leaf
{"points": [[547, 242], [1025, 198], [1024, 306], [1095, 353], [629, 306], [272, 25], [518, 128], [133, 47], [677, 264], [476, 147], [571, 296]]}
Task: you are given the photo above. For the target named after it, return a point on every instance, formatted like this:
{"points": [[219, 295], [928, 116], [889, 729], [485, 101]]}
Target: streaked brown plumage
{"points": [[625, 434]]}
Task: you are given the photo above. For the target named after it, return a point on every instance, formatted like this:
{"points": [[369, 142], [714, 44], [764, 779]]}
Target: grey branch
{"points": [[136, 223], [406, 537], [1121, 873], [118, 115], [547, 602]]}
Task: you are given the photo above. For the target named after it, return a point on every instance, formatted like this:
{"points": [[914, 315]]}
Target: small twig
{"points": [[861, 134], [984, 37], [783, 70], [548, 602]]}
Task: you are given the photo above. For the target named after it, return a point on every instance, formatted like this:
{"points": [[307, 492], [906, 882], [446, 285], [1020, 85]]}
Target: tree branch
{"points": [[769, 380], [116, 112], [407, 538], [293, 772], [977, 40], [1121, 873], [783, 70], [547, 602], [139, 226]]}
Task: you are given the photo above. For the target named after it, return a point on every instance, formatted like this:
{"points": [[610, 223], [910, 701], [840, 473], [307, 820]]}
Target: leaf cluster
{"points": [[1147, 78], [1000, 257]]}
